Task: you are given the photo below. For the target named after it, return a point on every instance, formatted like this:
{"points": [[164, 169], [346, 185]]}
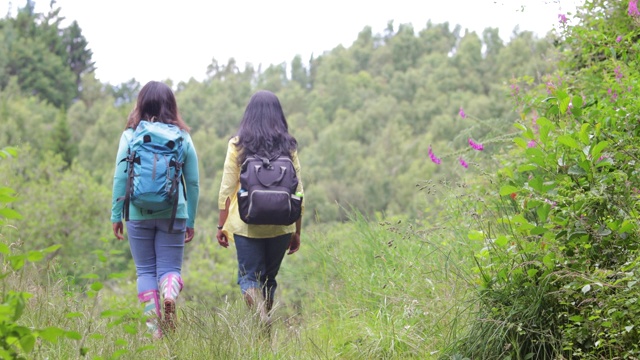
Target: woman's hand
{"points": [[188, 235], [118, 230], [294, 244], [222, 239]]}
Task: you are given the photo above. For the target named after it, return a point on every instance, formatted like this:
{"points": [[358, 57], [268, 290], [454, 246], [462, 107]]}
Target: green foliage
{"points": [[46, 60], [556, 263], [17, 340], [560, 261], [78, 55], [211, 271], [370, 290], [60, 206], [382, 96], [61, 140]]}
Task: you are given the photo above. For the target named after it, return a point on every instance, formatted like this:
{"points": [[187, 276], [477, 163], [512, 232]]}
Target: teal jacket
{"points": [[186, 207]]}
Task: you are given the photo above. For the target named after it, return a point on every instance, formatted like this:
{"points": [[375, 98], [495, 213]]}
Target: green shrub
{"points": [[560, 263]]}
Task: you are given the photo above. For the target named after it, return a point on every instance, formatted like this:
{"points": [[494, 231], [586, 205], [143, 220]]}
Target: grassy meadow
{"points": [[364, 289]]}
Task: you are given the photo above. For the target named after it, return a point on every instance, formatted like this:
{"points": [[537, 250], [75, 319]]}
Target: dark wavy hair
{"points": [[156, 102], [264, 130]]}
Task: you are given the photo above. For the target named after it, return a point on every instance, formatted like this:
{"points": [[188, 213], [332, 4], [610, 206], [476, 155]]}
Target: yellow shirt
{"points": [[229, 190]]}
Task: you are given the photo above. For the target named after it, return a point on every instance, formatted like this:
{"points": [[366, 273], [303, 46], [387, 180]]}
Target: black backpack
{"points": [[267, 193]]}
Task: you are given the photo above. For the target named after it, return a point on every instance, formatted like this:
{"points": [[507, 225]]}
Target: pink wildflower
{"points": [[475, 145], [618, 73], [515, 89], [613, 95], [531, 144], [550, 87], [463, 163], [619, 38], [562, 18], [436, 160], [461, 113], [633, 8]]}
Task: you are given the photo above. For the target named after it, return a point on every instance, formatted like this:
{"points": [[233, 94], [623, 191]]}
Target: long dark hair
{"points": [[264, 130], [156, 102]]}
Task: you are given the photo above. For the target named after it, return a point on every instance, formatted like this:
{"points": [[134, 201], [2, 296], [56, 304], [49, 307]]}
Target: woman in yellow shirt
{"points": [[260, 249]]}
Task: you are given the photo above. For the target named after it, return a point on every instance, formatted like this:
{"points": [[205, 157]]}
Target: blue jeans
{"points": [[259, 261], [155, 251]]}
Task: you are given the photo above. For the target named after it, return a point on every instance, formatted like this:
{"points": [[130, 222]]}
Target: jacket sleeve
{"points": [[192, 181], [299, 189], [119, 179], [230, 175]]}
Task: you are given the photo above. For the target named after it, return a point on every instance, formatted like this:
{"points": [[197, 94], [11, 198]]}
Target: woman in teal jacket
{"points": [[156, 248]]}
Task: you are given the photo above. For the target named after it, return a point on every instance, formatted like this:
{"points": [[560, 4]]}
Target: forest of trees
{"points": [[367, 118], [364, 116]]}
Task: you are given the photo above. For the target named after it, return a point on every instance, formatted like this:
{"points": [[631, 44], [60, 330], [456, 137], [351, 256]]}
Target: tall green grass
{"points": [[361, 290], [378, 290]]}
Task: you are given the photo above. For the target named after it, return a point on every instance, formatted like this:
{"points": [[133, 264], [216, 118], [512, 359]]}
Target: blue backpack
{"points": [[155, 158]]}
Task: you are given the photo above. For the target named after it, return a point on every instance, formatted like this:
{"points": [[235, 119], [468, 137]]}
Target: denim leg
{"points": [[169, 247], [141, 234], [275, 249], [259, 261], [155, 251], [251, 262]]}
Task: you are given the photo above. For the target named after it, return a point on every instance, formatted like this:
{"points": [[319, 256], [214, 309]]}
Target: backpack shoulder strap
{"points": [[131, 158]]}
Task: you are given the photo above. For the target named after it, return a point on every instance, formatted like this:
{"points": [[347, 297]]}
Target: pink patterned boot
{"points": [[151, 301], [170, 286]]}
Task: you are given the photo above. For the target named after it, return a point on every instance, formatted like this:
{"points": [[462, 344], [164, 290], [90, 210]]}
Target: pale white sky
{"points": [[177, 39]]}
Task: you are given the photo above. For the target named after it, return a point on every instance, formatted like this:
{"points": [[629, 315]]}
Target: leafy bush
{"points": [[560, 263], [17, 340]]}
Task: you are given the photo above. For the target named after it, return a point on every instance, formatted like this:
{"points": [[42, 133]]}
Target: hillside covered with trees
{"points": [[468, 196], [364, 116]]}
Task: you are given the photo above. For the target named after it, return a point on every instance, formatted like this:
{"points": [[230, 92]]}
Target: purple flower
{"points": [[618, 73], [550, 87], [515, 89], [619, 38], [436, 160], [613, 95], [463, 163], [633, 8], [475, 145], [531, 144], [562, 18], [461, 113]]}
